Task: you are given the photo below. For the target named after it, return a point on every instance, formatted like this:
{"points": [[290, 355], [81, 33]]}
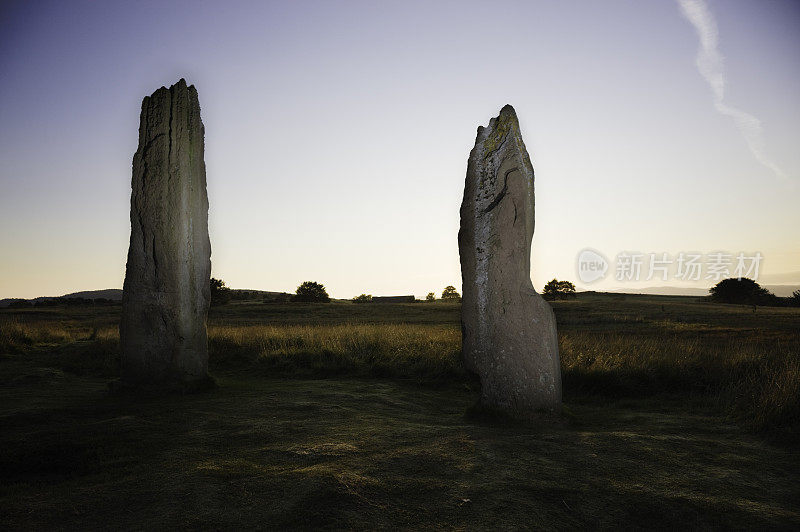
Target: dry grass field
{"points": [[677, 413]]}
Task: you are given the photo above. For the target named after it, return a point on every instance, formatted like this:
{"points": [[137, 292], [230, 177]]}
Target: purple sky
{"points": [[337, 133]]}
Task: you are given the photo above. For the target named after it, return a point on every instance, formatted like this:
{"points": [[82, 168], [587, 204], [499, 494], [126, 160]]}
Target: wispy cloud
{"points": [[711, 65]]}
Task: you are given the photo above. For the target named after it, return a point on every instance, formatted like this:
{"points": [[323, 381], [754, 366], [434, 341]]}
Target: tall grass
{"points": [[422, 352], [757, 379], [16, 336], [754, 377], [764, 393]]}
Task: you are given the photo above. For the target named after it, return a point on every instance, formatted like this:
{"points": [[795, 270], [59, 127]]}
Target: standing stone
{"points": [[508, 330], [166, 293]]}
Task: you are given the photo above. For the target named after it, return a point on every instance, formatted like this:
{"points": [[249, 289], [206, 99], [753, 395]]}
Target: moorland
{"points": [[677, 413]]}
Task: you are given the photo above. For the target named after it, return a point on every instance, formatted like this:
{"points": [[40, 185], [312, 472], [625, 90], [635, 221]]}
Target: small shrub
{"points": [[311, 292], [743, 291], [450, 293], [220, 294], [794, 301], [556, 289]]}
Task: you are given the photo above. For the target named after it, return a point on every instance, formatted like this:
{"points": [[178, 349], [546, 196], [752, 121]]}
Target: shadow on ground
{"points": [[367, 454]]}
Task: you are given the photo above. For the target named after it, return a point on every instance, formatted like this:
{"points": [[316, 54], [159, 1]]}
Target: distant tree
{"points": [[550, 290], [556, 289], [450, 292], [430, 297], [363, 298], [220, 294], [795, 299], [310, 291], [742, 291]]}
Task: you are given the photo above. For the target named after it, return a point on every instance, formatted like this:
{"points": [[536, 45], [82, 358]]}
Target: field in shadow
{"points": [[354, 453], [653, 436]]}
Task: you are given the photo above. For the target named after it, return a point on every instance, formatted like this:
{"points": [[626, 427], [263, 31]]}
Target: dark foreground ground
{"points": [[345, 452]]}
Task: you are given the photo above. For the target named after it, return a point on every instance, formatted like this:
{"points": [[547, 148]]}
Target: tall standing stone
{"points": [[508, 330], [166, 293]]}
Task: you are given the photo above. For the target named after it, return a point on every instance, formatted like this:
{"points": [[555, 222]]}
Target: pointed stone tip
{"points": [[508, 109], [507, 113], [181, 84], [507, 118]]}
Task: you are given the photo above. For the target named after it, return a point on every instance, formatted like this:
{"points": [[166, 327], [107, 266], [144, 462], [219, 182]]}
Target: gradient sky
{"points": [[337, 133]]}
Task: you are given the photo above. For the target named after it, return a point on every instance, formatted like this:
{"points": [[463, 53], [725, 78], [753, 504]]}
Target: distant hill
{"points": [[780, 290], [260, 292], [663, 291], [114, 294]]}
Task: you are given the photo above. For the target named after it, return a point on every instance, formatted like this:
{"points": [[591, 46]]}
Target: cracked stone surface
{"points": [[166, 292], [509, 331]]}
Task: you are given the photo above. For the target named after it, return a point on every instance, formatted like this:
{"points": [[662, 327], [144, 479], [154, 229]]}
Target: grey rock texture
{"points": [[166, 292], [509, 331]]}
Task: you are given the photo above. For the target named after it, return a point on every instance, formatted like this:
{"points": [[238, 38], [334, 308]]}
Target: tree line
{"points": [[738, 291]]}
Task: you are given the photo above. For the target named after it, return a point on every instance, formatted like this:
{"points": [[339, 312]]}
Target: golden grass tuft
{"points": [[17, 335], [403, 350]]}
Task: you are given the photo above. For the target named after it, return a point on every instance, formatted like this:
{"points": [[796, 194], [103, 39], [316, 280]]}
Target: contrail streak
{"points": [[711, 65]]}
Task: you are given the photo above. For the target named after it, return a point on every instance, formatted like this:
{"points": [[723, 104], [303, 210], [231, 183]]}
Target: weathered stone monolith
{"points": [[508, 330], [166, 293]]}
